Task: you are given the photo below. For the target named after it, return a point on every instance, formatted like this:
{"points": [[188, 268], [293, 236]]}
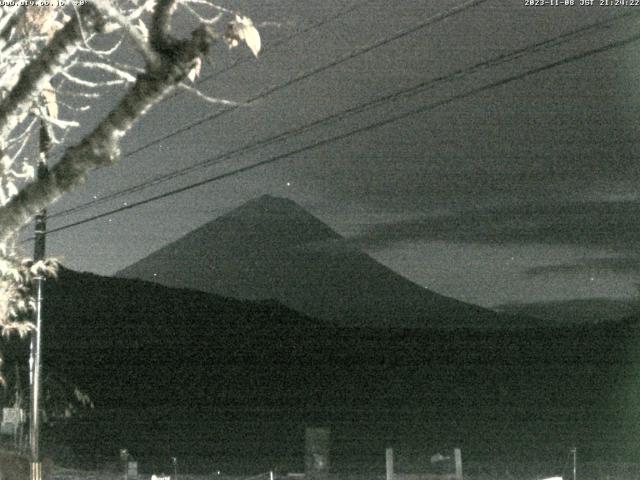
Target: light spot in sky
{"points": [[288, 184]]}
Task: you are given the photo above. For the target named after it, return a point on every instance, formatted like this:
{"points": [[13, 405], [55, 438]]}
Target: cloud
{"points": [[590, 224]]}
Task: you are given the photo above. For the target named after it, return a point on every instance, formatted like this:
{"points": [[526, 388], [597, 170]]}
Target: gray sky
{"points": [[525, 191]]}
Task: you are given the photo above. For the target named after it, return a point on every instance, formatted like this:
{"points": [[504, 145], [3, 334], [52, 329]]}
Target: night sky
{"points": [[492, 191]]}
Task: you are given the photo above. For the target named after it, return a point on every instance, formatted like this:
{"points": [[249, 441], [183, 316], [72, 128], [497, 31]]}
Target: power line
{"points": [[429, 21], [336, 138], [421, 86], [285, 39], [274, 44], [354, 54], [242, 61]]}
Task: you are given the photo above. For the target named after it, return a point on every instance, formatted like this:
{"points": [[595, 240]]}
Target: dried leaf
{"points": [[11, 189], [195, 71], [242, 29], [142, 28], [42, 19]]}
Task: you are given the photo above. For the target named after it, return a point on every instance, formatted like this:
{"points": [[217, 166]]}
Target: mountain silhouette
{"points": [[271, 248], [208, 377], [562, 312]]}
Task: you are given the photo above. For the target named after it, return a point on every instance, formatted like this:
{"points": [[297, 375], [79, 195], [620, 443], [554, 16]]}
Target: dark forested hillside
{"points": [[177, 364], [271, 247]]}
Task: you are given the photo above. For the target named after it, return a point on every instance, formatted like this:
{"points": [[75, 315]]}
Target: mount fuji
{"points": [[271, 248]]}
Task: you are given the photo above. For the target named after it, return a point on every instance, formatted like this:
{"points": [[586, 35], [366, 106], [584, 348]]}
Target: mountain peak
{"points": [[271, 204], [275, 201], [272, 248], [276, 219]]}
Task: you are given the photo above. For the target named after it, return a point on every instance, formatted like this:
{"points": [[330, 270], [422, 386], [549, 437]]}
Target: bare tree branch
{"points": [[207, 98], [159, 37], [101, 147], [36, 47], [114, 14], [13, 21], [38, 73]]}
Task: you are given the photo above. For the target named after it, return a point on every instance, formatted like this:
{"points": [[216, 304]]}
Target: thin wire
{"points": [[354, 54], [336, 138], [430, 21], [271, 46], [244, 60], [420, 87], [277, 43]]}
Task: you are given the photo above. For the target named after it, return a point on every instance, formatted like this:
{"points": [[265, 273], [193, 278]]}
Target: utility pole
{"points": [[36, 337], [574, 451], [389, 463]]}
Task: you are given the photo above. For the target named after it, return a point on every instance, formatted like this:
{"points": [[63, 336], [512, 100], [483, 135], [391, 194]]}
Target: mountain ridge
{"points": [[271, 247], [576, 311], [144, 351]]}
